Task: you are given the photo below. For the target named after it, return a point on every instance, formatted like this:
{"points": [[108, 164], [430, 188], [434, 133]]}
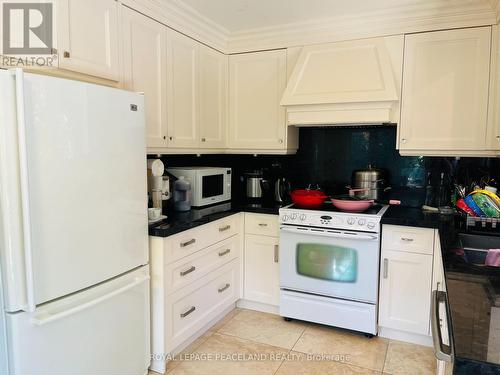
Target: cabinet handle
{"points": [[404, 140], [498, 138], [171, 138], [223, 229], [203, 140], [189, 270], [164, 137], [225, 252], [276, 253], [66, 55], [386, 267], [186, 313], [187, 243], [406, 239], [262, 225], [220, 290], [280, 141]]}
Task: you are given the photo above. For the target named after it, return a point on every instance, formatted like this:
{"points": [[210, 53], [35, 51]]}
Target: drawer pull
{"points": [[262, 225], [224, 288], [186, 313], [224, 252], [276, 253], [386, 267], [187, 243], [223, 229], [188, 271], [406, 239]]}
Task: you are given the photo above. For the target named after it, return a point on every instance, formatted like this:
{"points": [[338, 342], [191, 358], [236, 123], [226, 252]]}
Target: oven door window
{"points": [[212, 186], [327, 262]]}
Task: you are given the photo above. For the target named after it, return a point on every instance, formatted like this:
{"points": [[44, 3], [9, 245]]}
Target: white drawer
{"points": [[262, 224], [409, 239], [193, 240], [192, 307], [194, 266]]}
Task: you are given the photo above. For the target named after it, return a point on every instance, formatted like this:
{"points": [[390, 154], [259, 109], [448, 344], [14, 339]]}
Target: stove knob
{"points": [[302, 217], [351, 221], [370, 225], [361, 221], [285, 218], [293, 216]]}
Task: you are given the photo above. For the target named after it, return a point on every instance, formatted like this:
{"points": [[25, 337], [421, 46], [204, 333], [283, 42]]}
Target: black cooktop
{"points": [[329, 207]]}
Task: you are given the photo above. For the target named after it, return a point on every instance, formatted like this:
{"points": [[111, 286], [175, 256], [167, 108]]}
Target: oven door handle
{"points": [[332, 234], [442, 351]]}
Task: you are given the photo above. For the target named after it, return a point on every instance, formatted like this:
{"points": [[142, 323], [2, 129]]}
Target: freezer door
{"points": [[102, 330], [85, 180]]}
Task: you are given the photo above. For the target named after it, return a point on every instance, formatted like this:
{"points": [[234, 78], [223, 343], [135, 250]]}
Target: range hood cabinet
{"points": [[351, 82]]}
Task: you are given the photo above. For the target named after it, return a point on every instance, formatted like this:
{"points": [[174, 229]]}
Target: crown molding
{"points": [[436, 15], [184, 19], [495, 4]]}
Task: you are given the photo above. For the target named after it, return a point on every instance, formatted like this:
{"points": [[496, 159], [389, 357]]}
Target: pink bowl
{"points": [[352, 206]]}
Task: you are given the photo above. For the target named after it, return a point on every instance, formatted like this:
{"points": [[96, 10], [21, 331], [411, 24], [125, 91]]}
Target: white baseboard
{"points": [[258, 306], [413, 338]]}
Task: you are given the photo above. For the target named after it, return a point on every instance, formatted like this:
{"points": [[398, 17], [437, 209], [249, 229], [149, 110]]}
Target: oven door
{"points": [[215, 187], [332, 263]]}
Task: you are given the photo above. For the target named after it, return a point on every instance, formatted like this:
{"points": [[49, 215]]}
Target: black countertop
{"points": [[473, 293], [178, 222]]}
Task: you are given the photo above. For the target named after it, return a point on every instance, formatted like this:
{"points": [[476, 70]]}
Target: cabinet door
{"points": [[493, 133], [405, 291], [256, 84], [261, 269], [445, 90], [213, 97], [88, 37], [182, 90], [142, 37]]}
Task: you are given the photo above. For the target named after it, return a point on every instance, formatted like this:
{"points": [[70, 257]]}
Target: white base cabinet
{"points": [[261, 259], [406, 282], [195, 277]]}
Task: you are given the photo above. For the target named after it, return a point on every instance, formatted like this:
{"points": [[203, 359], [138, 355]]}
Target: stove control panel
{"points": [[369, 223]]}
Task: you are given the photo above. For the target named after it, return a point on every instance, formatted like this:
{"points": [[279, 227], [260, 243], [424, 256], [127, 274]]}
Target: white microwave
{"points": [[209, 185]]}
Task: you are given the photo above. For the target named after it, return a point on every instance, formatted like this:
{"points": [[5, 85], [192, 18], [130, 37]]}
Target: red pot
{"points": [[308, 198]]}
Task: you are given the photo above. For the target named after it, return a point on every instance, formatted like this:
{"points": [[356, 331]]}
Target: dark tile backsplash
{"points": [[328, 156]]}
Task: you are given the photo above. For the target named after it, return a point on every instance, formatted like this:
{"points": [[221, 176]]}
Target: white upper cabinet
{"points": [[445, 90], [213, 73], [342, 72], [144, 65], [88, 37], [182, 90], [256, 84], [493, 131]]}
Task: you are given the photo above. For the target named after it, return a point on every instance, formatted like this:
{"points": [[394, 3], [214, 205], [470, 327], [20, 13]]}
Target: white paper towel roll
{"points": [[156, 166]]}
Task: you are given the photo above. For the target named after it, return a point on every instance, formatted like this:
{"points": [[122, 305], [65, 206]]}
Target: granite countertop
{"points": [[473, 293], [177, 222]]}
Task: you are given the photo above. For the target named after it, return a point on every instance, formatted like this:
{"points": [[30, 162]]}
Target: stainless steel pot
{"points": [[372, 179]]}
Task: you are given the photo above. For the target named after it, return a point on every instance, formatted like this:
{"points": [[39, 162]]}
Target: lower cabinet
{"points": [[261, 269], [195, 278], [406, 282]]}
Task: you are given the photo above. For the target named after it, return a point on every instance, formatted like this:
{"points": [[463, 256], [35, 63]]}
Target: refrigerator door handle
{"points": [[49, 318], [24, 187]]}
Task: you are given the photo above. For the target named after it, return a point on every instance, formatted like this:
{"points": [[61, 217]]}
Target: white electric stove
{"points": [[329, 266]]}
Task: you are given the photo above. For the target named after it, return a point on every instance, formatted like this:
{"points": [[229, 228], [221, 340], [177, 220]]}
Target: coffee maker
{"points": [[158, 184]]}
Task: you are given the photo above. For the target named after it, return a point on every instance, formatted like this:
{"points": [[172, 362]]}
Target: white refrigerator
{"points": [[73, 228]]}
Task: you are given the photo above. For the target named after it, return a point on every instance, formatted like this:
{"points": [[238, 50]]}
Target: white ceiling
{"points": [[242, 15]]}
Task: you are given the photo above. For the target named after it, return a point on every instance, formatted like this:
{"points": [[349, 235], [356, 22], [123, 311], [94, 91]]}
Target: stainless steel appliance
{"points": [[253, 184], [329, 266], [372, 179], [441, 332], [209, 185], [282, 190]]}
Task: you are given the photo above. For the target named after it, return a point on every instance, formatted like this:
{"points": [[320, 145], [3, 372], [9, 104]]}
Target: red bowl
{"points": [[308, 198]]}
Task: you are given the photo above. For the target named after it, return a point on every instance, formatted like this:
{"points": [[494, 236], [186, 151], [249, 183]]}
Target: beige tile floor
{"points": [[250, 342]]}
